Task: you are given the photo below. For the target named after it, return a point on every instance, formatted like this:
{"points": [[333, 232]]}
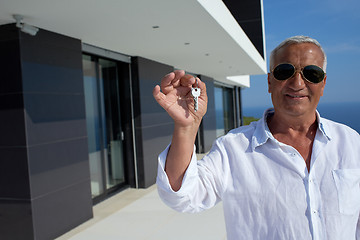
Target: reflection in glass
{"points": [[93, 125]]}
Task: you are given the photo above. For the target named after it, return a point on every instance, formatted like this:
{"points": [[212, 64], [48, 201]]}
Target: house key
{"points": [[195, 92]]}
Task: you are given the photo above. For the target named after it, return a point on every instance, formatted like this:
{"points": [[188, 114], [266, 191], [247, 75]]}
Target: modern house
{"points": [[78, 121]]}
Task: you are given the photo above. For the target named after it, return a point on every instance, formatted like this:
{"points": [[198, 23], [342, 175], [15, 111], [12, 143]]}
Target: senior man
{"points": [[290, 175]]}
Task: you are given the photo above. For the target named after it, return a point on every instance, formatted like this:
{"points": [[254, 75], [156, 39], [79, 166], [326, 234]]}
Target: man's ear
{"points": [[324, 83]]}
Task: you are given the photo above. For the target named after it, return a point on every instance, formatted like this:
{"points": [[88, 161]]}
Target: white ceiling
{"points": [[199, 36]]}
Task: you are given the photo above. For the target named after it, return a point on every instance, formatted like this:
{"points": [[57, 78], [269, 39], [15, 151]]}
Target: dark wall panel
{"points": [[10, 60], [44, 159], [14, 173], [16, 219], [56, 132], [12, 127], [153, 125], [15, 198], [209, 120]]}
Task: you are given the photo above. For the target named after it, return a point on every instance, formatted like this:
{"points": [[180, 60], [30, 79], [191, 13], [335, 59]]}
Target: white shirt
{"points": [[266, 189]]}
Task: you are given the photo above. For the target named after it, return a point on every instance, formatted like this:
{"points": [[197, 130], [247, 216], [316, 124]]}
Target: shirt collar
{"points": [[262, 132], [323, 127]]}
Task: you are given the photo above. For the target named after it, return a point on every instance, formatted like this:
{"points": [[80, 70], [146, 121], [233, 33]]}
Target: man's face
{"points": [[295, 96]]}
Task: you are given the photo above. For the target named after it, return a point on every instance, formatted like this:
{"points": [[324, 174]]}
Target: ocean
{"points": [[347, 113]]}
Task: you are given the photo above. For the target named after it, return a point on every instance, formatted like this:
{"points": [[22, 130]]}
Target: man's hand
{"points": [[177, 100]]}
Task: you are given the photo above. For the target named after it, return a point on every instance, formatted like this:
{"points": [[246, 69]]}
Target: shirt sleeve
{"points": [[201, 186], [180, 199]]}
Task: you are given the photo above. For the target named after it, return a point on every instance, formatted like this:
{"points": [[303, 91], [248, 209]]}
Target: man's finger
{"points": [[187, 80], [178, 75], [201, 85], [158, 95], [166, 82]]}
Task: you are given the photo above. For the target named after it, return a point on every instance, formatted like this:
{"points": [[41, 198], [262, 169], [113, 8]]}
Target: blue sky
{"points": [[335, 24]]}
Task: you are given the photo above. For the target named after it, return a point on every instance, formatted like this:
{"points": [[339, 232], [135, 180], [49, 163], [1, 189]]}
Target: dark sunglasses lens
{"points": [[283, 71], [313, 73]]}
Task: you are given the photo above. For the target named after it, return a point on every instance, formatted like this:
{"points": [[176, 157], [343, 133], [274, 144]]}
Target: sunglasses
{"points": [[310, 73]]}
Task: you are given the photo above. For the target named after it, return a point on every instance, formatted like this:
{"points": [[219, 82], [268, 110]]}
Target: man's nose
{"points": [[297, 81]]}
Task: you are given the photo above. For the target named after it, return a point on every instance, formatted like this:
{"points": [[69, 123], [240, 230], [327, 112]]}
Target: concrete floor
{"points": [[135, 214]]}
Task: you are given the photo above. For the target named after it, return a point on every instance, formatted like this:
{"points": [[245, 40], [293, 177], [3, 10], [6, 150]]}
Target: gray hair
{"points": [[296, 40]]}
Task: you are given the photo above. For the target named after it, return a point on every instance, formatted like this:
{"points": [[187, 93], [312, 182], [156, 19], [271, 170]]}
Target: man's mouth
{"points": [[295, 96]]}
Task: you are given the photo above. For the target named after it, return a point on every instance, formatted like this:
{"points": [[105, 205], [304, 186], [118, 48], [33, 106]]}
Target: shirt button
{"points": [[293, 154], [311, 181]]}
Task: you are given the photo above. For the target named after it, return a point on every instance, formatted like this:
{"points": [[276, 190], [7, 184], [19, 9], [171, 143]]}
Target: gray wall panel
{"points": [[58, 212], [153, 125]]}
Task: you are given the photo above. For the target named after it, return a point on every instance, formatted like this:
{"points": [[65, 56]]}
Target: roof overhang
{"points": [[241, 81], [200, 36]]}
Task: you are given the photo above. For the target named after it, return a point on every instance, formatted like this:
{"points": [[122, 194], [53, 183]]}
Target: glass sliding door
{"points": [[103, 120], [219, 109], [229, 110], [225, 111], [113, 139]]}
